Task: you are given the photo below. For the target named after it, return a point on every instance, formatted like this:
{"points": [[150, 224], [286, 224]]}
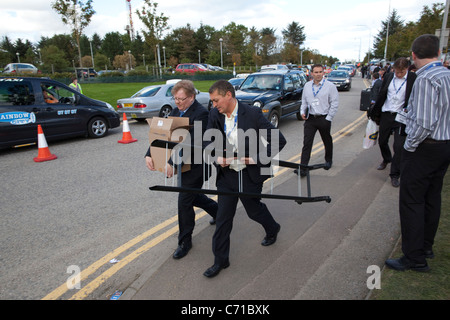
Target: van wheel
{"points": [[274, 118], [97, 127]]}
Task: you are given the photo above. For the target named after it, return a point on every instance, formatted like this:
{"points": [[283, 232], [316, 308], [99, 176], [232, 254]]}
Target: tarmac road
{"points": [[92, 205]]}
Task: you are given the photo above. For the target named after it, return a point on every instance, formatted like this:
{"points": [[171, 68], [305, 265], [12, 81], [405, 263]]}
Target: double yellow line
{"points": [[95, 283]]}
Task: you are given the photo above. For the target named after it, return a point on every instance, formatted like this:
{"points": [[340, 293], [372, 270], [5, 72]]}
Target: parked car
{"points": [[190, 67], [21, 68], [61, 111], [350, 70], [270, 67], [156, 100], [278, 93], [86, 73], [236, 82], [341, 78]]}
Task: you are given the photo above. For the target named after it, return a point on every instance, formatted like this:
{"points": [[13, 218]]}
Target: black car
{"points": [[278, 93], [341, 79], [61, 111]]}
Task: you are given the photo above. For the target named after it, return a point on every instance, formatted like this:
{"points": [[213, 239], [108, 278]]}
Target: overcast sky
{"points": [[342, 29]]}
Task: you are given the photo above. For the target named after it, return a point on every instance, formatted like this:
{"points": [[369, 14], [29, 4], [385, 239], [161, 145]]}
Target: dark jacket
{"points": [[249, 117], [375, 110], [375, 90], [196, 112]]}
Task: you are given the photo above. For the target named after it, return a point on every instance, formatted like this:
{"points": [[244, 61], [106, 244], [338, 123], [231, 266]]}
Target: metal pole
{"points": [[444, 26]]}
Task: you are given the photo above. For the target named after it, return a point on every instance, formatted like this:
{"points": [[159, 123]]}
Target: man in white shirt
{"points": [[320, 101], [393, 99]]}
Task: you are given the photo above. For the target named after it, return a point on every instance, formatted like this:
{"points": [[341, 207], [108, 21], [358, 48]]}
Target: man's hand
{"points": [[169, 171], [224, 162], [248, 160], [149, 163]]}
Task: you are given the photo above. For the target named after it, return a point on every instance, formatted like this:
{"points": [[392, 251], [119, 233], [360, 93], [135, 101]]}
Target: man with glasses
{"points": [[187, 106]]}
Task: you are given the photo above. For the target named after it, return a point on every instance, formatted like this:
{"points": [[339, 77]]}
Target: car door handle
{"points": [[49, 109], [35, 110]]}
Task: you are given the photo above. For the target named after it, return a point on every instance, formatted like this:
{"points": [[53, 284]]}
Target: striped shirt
{"points": [[428, 107]]}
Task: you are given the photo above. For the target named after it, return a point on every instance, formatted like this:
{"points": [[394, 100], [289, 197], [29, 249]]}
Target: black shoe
{"points": [[270, 239], [182, 250], [382, 165], [328, 165], [212, 221], [302, 172], [403, 263], [429, 254], [215, 269], [395, 183]]}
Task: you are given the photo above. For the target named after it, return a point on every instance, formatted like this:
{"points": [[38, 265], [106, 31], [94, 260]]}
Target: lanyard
{"points": [[225, 126], [318, 90], [436, 64], [393, 82]]}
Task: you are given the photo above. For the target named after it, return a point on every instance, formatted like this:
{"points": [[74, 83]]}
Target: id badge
{"points": [[315, 103], [401, 117]]}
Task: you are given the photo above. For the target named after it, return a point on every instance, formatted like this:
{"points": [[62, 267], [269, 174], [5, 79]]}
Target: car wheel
{"points": [[274, 118], [165, 111], [97, 127], [299, 116]]}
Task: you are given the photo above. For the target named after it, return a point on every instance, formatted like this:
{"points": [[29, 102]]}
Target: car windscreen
{"points": [[337, 74], [146, 92], [262, 82]]}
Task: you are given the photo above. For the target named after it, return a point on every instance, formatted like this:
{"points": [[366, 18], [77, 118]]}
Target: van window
{"points": [[15, 93]]}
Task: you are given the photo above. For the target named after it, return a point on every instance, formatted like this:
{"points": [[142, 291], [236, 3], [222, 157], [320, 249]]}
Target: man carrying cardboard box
{"points": [[184, 94]]}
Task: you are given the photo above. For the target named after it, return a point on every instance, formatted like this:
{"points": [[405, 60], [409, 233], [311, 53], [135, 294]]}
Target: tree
{"points": [[155, 24], [395, 25], [293, 34], [77, 14]]}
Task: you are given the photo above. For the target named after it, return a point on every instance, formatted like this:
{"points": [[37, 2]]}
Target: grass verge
{"points": [[111, 92], [432, 285]]}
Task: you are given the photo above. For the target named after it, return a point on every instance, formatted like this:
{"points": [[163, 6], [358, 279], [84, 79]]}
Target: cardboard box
{"points": [[162, 129]]}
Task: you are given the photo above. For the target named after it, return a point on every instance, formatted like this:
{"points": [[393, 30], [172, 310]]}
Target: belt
{"points": [[318, 115], [432, 141], [391, 112]]}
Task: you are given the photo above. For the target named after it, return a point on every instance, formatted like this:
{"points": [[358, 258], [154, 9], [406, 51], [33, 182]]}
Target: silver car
{"points": [[156, 100]]}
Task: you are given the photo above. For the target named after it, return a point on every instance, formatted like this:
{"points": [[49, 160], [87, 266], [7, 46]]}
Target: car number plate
{"points": [[128, 105], [133, 115]]}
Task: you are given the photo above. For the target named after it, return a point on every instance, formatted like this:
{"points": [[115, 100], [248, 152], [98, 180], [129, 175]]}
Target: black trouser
{"points": [[256, 210], [387, 126], [421, 182], [312, 124], [187, 202]]}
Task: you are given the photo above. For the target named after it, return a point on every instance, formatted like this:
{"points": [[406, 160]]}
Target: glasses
{"points": [[180, 99]]}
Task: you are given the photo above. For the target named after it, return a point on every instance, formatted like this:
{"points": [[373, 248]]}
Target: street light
{"points": [[199, 60], [221, 55], [159, 60], [129, 55], [370, 37], [164, 53]]}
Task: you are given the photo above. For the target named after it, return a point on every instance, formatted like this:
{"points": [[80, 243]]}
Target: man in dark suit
{"points": [[392, 100], [184, 95], [234, 122]]}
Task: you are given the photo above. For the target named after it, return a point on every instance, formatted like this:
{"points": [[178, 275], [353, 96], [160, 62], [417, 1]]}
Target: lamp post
{"points": [[199, 60], [159, 60], [221, 55], [129, 56], [370, 36], [164, 54]]}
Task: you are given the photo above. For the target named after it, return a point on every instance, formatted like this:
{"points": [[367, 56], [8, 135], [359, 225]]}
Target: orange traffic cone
{"points": [[126, 137], [43, 151]]}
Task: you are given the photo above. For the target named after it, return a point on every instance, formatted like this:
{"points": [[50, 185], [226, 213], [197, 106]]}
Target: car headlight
{"points": [[110, 106], [257, 104], [347, 80]]}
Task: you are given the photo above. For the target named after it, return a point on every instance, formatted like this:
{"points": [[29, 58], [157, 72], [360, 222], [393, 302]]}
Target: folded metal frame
{"points": [[169, 145]]}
